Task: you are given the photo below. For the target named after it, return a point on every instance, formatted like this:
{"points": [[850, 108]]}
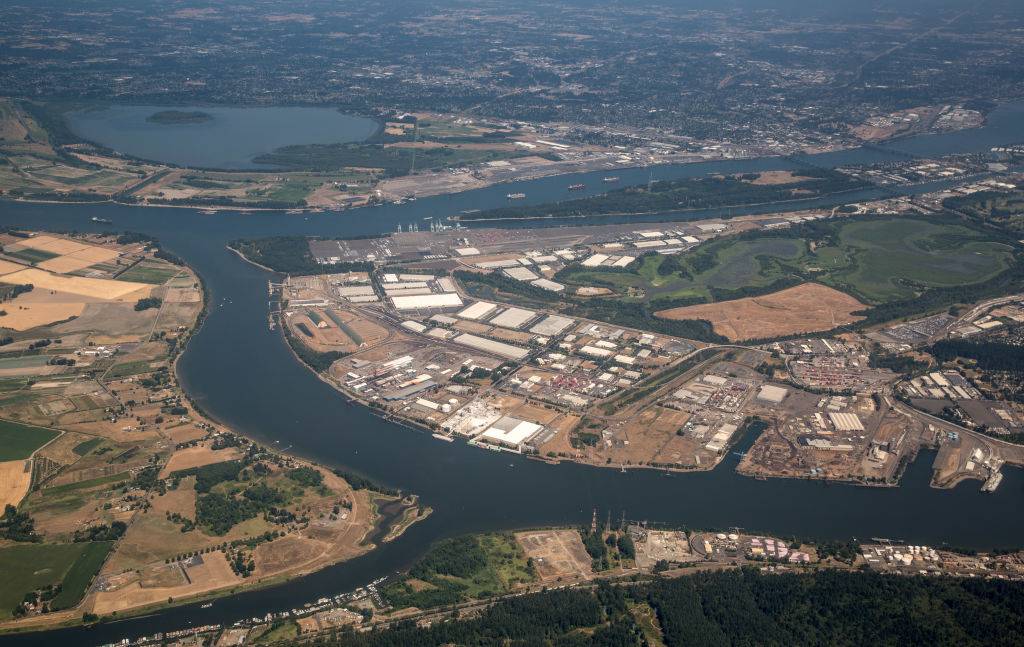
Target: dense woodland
{"points": [[989, 356], [680, 195], [290, 255], [739, 607]]}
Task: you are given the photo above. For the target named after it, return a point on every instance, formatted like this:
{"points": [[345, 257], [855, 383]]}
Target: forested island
{"points": [[171, 117], [679, 195]]}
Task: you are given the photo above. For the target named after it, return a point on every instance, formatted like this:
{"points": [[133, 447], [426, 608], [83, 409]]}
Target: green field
{"points": [[878, 260], [32, 255], [30, 567], [18, 441], [83, 448], [462, 568], [28, 361], [153, 272], [129, 368]]}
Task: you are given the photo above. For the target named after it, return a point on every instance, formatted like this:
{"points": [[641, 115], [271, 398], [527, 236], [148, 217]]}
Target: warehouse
{"points": [[427, 301], [491, 346], [771, 393], [511, 433], [846, 421], [550, 286], [513, 318], [476, 311], [355, 291], [551, 325], [594, 260], [520, 274]]}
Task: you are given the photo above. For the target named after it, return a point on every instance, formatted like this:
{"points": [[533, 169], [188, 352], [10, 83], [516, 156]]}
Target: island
{"points": [[170, 117], [813, 345], [117, 493]]}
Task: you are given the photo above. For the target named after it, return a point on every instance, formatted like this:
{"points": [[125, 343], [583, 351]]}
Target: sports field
{"points": [[18, 441]]}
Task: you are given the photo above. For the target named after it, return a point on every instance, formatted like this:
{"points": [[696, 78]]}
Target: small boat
{"points": [[103, 220], [577, 187], [207, 605], [611, 178], [515, 196]]}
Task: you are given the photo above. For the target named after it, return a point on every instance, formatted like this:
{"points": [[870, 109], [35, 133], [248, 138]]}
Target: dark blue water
{"points": [[242, 374], [230, 140]]}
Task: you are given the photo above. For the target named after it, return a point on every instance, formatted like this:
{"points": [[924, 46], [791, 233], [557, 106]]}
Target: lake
{"points": [[242, 374], [230, 139]]}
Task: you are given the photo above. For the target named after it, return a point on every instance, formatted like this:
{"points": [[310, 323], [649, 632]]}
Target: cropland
{"points": [[116, 494]]}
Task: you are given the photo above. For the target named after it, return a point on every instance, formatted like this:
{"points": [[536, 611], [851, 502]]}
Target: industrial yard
{"points": [[467, 333]]}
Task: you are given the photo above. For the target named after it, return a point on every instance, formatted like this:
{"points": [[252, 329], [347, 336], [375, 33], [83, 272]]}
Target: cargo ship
{"points": [[577, 187], [515, 196]]}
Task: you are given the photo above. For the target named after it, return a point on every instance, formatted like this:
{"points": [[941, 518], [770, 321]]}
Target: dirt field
{"points": [[214, 573], [96, 288], [556, 554], [23, 314], [15, 479], [197, 457], [809, 307], [777, 177]]}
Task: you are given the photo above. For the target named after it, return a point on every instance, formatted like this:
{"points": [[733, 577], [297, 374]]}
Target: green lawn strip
{"points": [[58, 490], [81, 574], [18, 441]]}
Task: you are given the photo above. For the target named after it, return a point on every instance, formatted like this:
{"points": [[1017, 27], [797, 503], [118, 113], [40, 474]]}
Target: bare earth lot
{"points": [[809, 307]]}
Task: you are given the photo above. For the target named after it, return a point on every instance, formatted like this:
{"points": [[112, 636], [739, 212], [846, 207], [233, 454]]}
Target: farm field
{"points": [[809, 307], [18, 441], [30, 567], [876, 260]]}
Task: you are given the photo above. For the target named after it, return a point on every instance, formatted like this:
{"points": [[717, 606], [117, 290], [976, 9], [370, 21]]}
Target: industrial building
{"points": [[427, 301], [511, 433]]}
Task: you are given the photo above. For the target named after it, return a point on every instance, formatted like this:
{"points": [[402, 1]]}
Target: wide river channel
{"points": [[242, 374]]}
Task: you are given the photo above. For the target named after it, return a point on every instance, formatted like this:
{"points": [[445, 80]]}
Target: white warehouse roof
{"points": [[444, 300]]}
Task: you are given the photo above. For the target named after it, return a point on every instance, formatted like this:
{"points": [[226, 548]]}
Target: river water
{"points": [[243, 375]]}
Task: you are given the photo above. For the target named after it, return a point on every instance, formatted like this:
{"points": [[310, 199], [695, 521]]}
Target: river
{"points": [[243, 375]]}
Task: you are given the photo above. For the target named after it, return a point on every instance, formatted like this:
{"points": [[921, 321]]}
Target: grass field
{"points": [[152, 272], [461, 569], [28, 361], [129, 368], [877, 260], [32, 255], [30, 567], [83, 448], [18, 441]]}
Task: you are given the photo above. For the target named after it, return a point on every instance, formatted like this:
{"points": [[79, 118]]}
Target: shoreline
{"points": [[411, 514]]}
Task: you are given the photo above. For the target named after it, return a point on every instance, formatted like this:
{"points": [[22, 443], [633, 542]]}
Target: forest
{"points": [[681, 195], [989, 356], [737, 607]]}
